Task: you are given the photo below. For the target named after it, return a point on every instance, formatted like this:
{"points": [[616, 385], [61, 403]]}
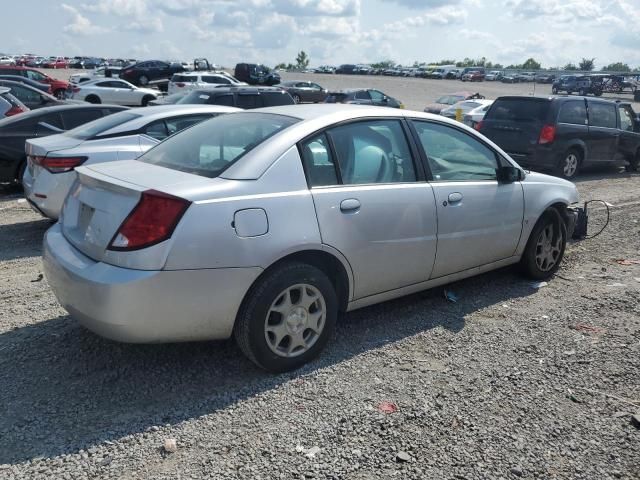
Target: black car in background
{"points": [[363, 96], [32, 97], [142, 73], [582, 84], [256, 74], [545, 78], [43, 122], [564, 134], [240, 97], [302, 91], [346, 69]]}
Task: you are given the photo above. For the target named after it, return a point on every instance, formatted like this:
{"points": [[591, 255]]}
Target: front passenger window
{"points": [[454, 155]]}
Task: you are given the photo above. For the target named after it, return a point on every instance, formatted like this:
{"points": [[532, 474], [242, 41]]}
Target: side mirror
{"points": [[509, 174]]}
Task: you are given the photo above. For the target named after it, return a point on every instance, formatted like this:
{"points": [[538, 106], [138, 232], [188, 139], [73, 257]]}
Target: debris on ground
{"points": [[38, 278], [387, 407], [170, 445], [538, 285], [451, 296], [624, 261], [403, 457]]}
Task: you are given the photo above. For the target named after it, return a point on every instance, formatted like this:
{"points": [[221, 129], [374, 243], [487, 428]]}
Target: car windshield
{"points": [[519, 110], [449, 99], [93, 129], [210, 147]]}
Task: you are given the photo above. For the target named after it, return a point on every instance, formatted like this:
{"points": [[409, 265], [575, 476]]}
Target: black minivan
{"points": [[255, 74], [564, 134]]}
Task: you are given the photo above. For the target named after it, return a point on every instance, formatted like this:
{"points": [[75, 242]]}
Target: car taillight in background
{"points": [[547, 134], [57, 164], [479, 125], [152, 221], [15, 110]]}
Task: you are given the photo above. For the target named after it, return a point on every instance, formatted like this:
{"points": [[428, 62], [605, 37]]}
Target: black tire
{"points": [[93, 99], [20, 172], [250, 327], [634, 163], [296, 98], [146, 99], [60, 93], [569, 165], [530, 263], [143, 80]]}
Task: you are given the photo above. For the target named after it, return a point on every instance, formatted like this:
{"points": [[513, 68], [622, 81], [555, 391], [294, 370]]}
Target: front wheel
{"points": [[287, 317], [554, 90], [296, 98], [143, 80], [545, 248], [93, 99], [60, 93], [146, 99]]}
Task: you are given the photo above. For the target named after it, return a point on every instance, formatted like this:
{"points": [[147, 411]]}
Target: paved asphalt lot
{"points": [[512, 381]]}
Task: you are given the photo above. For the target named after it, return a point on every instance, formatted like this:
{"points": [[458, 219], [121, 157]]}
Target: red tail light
{"points": [[15, 110], [58, 164], [478, 125], [75, 89], [152, 221], [547, 134]]}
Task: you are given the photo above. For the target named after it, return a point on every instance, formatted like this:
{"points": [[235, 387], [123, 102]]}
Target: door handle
{"points": [[455, 197], [350, 205]]}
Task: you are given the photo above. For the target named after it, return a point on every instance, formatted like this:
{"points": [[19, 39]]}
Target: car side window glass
{"points": [[316, 86], [33, 75], [626, 120], [273, 99], [174, 125], [318, 162], [376, 96], [573, 112], [25, 95], [103, 84], [226, 100], [157, 130], [362, 95], [373, 151], [73, 119], [249, 101], [602, 115], [454, 155], [49, 124]]}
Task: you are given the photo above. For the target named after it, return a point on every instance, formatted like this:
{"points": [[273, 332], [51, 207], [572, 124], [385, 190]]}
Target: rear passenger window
{"points": [[574, 113], [362, 95], [273, 99], [374, 151], [226, 100], [76, 118], [157, 130], [318, 162], [602, 115], [455, 156], [249, 101]]}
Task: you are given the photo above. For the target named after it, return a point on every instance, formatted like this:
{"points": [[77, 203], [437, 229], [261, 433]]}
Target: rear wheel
{"points": [[93, 99], [20, 173], [287, 318], [545, 248], [570, 164], [582, 92], [554, 90], [143, 80], [146, 99]]}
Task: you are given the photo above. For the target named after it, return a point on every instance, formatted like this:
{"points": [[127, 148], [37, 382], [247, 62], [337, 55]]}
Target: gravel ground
{"points": [[416, 93], [509, 382]]}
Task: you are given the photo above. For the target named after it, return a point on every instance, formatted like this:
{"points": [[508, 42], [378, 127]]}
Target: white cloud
{"points": [[80, 25]]}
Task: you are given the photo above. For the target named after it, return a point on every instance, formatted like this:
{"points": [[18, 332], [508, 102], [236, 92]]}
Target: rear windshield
{"points": [[518, 110], [274, 99], [93, 129], [337, 97], [184, 78], [197, 97], [450, 99], [210, 147]]}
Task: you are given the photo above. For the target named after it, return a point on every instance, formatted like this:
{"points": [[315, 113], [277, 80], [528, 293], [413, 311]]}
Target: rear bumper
{"points": [[47, 192], [139, 306]]}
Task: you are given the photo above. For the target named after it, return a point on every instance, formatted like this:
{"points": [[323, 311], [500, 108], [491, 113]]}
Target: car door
{"points": [[318, 94], [124, 94], [378, 98], [629, 143], [104, 91], [362, 97], [603, 131], [372, 203], [479, 219]]}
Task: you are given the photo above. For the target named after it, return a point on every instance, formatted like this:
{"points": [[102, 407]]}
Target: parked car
{"points": [[450, 99], [140, 74], [346, 69], [475, 116], [494, 76], [54, 62], [564, 134], [9, 106], [188, 81], [115, 91], [545, 78], [241, 97], [35, 62], [473, 76], [302, 91], [363, 96], [255, 74], [169, 99], [199, 228], [98, 73], [511, 78], [32, 97], [464, 106], [454, 74], [58, 87], [15, 131], [572, 83], [4, 60], [122, 136], [527, 76], [43, 87]]}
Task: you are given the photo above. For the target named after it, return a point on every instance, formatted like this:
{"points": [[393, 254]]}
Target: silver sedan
{"points": [[266, 224]]}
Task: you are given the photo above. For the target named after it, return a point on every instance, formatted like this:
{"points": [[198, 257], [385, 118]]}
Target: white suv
{"points": [[186, 81]]}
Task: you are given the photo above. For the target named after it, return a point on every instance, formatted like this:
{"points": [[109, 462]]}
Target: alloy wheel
{"points": [[548, 248], [295, 320], [570, 165]]}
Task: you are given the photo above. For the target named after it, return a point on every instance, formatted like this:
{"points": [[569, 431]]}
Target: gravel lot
{"points": [[416, 93], [509, 382]]}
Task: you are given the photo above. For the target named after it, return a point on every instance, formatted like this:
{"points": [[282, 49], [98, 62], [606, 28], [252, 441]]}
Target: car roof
{"points": [[202, 72], [59, 108], [351, 90], [239, 88], [104, 79]]}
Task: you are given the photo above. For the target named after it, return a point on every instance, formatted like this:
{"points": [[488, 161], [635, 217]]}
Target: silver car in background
{"points": [[266, 224], [51, 161]]}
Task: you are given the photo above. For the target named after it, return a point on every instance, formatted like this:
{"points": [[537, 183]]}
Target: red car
{"points": [[55, 62], [474, 76], [58, 87]]}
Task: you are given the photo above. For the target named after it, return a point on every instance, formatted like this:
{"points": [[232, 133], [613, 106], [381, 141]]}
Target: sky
{"points": [[554, 32]]}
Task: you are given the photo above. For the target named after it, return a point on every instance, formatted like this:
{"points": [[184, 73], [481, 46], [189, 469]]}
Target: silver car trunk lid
{"points": [[40, 147]]}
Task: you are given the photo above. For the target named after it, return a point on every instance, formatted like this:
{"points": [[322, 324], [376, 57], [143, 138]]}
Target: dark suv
{"points": [[564, 134], [581, 84], [241, 97], [255, 74], [142, 73]]}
